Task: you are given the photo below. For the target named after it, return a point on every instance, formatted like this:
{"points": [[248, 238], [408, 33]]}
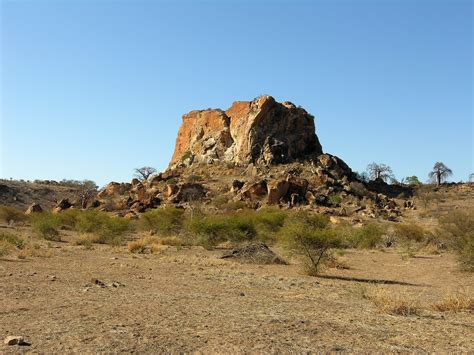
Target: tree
{"points": [[379, 171], [471, 177], [87, 190], [309, 236], [440, 173], [411, 180], [144, 173]]}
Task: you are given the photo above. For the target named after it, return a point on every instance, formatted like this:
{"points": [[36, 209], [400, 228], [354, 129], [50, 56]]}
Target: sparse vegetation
{"points": [[393, 303], [457, 229]]}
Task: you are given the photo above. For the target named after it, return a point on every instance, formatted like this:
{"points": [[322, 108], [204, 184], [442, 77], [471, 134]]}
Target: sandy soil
{"points": [[190, 300]]}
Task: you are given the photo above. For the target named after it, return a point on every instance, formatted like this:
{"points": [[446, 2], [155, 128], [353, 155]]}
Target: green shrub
{"points": [[164, 221], [457, 228], [270, 218], [308, 235], [410, 232], [12, 239], [368, 236], [69, 217], [8, 214], [335, 199], [268, 221], [214, 229], [45, 224], [108, 229]]}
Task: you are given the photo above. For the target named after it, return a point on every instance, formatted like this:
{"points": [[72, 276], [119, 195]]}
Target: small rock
{"points": [[241, 294], [98, 283], [14, 340]]}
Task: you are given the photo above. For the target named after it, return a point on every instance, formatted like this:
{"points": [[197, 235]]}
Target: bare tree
{"points": [[144, 173], [471, 177], [87, 191], [440, 173], [380, 171]]}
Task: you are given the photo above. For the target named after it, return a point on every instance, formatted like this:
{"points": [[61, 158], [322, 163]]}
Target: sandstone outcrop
{"points": [[262, 131]]}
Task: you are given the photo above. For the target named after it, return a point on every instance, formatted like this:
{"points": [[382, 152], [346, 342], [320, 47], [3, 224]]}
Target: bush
{"points": [[45, 224], [457, 228], [270, 219], [214, 229], [12, 239], [10, 243], [307, 235], [69, 217], [368, 236], [8, 214], [410, 232], [165, 221], [107, 229], [335, 199]]}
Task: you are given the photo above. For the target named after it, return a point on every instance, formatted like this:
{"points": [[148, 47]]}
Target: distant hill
{"points": [[20, 194]]}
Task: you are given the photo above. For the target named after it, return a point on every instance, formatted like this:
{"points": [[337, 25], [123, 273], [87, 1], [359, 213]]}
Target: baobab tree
{"points": [[379, 171], [440, 173], [144, 173]]}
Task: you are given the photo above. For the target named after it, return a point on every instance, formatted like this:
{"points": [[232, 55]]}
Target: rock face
{"points": [[261, 131]]}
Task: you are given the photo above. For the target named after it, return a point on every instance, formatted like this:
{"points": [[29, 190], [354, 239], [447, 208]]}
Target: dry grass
{"points": [[393, 303], [455, 303], [35, 251], [153, 244]]}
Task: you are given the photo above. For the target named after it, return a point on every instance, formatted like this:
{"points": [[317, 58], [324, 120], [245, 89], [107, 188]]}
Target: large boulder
{"points": [[34, 208], [262, 131], [277, 190]]}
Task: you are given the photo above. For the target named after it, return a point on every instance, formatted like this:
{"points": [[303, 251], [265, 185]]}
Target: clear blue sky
{"points": [[94, 89]]}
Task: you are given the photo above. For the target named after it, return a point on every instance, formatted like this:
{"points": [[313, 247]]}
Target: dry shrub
{"points": [[143, 245], [34, 250], [455, 303], [457, 229], [409, 231], [172, 241], [87, 240], [10, 243], [6, 248], [8, 214], [393, 303]]}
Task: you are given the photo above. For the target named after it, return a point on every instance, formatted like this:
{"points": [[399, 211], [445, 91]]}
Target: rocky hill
{"points": [[261, 132], [257, 153], [48, 194]]}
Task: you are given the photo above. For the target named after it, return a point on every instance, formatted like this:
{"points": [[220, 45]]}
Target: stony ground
{"points": [[107, 300]]}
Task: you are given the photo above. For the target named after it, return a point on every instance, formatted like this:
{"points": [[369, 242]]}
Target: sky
{"points": [[94, 89]]}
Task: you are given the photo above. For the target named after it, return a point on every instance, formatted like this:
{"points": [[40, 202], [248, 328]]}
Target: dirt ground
{"points": [[191, 300]]}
